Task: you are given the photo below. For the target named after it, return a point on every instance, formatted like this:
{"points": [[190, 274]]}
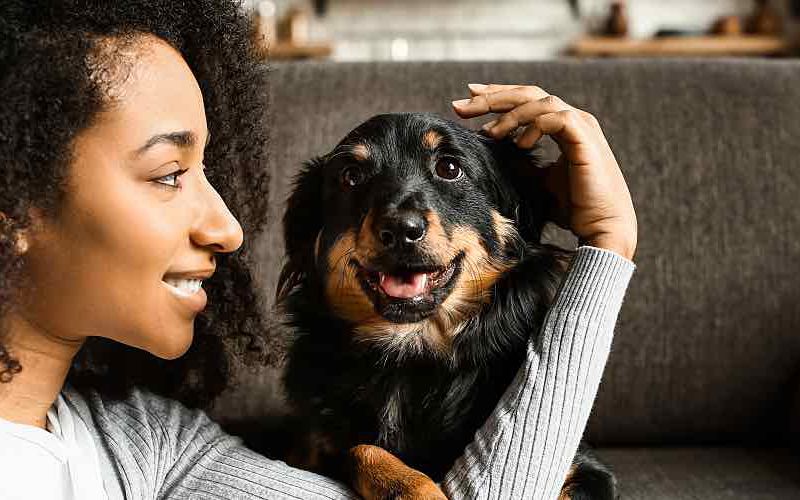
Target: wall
{"points": [[491, 29]]}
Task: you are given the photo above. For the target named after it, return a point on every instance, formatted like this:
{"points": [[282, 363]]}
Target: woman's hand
{"points": [[594, 201]]}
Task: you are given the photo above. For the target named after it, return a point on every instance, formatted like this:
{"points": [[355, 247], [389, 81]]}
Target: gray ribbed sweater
{"points": [[153, 448]]}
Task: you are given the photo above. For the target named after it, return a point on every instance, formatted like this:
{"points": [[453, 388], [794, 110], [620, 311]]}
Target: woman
{"points": [[116, 122]]}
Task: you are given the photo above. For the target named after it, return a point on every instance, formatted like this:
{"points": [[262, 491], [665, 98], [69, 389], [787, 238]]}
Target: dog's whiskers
{"points": [[342, 269]]}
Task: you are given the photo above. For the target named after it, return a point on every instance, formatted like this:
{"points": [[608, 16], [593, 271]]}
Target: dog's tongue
{"points": [[404, 287]]}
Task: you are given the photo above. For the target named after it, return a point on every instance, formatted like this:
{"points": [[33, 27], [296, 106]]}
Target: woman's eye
{"points": [[448, 169], [352, 176], [171, 180]]}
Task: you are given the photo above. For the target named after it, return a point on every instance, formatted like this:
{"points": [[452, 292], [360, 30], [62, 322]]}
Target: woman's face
{"points": [[140, 223]]}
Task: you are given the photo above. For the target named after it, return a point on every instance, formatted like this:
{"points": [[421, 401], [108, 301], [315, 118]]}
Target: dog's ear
{"points": [[302, 222], [522, 195]]}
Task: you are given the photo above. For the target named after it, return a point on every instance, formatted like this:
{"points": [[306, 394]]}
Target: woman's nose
{"points": [[216, 227]]}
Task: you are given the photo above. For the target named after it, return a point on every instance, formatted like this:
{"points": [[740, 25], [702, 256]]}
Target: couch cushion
{"points": [[704, 473]]}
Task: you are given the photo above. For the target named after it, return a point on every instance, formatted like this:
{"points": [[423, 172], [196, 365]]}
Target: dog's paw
{"points": [[422, 488], [416, 487], [379, 475]]}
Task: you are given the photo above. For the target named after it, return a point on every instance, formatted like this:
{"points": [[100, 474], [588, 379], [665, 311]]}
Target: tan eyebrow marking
{"points": [[361, 151], [431, 139]]}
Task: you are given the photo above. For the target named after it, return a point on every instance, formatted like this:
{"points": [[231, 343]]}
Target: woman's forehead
{"points": [[160, 95]]}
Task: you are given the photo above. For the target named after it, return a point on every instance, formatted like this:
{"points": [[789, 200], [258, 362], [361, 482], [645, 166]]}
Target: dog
{"points": [[415, 276]]}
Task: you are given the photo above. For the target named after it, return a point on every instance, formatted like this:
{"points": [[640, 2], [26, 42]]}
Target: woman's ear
{"points": [[21, 242], [18, 237], [302, 222]]}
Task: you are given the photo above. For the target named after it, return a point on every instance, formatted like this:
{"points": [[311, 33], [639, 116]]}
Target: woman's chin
{"points": [[172, 347]]}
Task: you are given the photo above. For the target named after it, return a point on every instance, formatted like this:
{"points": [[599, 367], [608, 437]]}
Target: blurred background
{"points": [[382, 30]]}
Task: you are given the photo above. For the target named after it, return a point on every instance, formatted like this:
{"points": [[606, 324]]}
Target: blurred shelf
{"points": [[740, 45], [304, 51]]}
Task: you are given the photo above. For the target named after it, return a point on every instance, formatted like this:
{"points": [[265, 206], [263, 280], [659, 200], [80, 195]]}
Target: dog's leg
{"points": [[588, 479], [376, 474], [315, 451]]}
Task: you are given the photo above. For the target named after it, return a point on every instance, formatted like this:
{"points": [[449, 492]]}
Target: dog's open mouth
{"points": [[408, 284], [409, 294]]}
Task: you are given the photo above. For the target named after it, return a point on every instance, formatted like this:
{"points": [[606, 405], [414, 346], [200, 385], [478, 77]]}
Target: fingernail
{"points": [[489, 125], [476, 87], [461, 102]]}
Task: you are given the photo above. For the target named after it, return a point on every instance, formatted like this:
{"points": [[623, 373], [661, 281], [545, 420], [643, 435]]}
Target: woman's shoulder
{"points": [[137, 404], [143, 418], [146, 441]]}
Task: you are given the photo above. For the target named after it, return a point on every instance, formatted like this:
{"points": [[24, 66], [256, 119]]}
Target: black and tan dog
{"points": [[415, 277]]}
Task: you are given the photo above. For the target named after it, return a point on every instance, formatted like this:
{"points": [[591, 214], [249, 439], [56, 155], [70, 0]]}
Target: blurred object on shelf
{"points": [[673, 32], [730, 35], [617, 24], [399, 49], [764, 20], [296, 26], [266, 22], [575, 8], [287, 38], [320, 7], [727, 26], [743, 45], [793, 31], [284, 50]]}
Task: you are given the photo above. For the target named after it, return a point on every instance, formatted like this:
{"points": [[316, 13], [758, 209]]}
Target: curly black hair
{"points": [[54, 81]]}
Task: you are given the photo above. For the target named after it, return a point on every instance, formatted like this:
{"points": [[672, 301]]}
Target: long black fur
{"points": [[422, 408]]}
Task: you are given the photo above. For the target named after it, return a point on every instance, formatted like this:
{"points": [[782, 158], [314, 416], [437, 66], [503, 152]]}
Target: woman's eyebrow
{"points": [[184, 140]]}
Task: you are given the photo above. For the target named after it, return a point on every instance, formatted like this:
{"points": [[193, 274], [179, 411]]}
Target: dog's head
{"points": [[405, 227]]}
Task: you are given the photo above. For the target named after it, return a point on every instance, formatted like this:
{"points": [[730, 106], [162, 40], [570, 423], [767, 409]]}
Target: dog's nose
{"points": [[401, 228]]}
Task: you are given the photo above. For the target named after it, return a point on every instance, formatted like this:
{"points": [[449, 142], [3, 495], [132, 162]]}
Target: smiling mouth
{"points": [[183, 287], [411, 294]]}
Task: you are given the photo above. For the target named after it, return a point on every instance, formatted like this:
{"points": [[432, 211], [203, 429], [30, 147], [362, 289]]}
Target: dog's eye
{"points": [[352, 176], [448, 169]]}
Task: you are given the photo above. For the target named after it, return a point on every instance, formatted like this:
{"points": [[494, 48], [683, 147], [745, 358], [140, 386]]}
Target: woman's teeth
{"points": [[184, 287]]}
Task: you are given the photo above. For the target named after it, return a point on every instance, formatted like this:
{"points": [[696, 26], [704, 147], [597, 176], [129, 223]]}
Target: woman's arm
{"points": [[155, 448], [526, 447]]}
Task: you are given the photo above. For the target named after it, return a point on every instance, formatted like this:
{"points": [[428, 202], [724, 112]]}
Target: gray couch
{"points": [[696, 399]]}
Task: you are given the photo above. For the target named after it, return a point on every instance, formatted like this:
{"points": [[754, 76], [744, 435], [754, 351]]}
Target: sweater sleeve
{"points": [[526, 447], [157, 449], [210, 464]]}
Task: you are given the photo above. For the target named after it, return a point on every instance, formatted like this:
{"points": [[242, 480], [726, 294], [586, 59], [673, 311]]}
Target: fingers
{"points": [[577, 141], [524, 114], [529, 137], [476, 89], [572, 129], [504, 98], [537, 113]]}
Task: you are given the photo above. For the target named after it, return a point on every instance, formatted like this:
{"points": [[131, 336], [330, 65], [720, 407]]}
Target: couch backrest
{"points": [[708, 343]]}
